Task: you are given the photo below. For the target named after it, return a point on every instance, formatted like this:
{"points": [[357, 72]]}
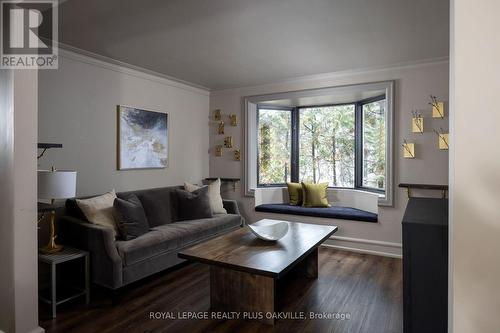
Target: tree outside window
{"points": [[343, 145]]}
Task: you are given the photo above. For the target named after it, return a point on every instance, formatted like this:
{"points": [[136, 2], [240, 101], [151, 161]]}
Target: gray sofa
{"points": [[116, 263]]}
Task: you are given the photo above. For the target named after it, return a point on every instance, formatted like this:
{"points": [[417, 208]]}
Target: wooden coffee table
{"points": [[244, 270]]}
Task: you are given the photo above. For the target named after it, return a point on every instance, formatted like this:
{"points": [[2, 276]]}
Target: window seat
{"points": [[334, 212]]}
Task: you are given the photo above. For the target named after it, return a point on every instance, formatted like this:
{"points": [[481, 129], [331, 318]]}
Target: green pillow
{"points": [[314, 195], [295, 193]]}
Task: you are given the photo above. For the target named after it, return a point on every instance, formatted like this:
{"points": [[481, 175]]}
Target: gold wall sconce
{"points": [[437, 108], [217, 115], [234, 119], [218, 150], [443, 140], [408, 149], [228, 142], [220, 129], [237, 155], [417, 122]]}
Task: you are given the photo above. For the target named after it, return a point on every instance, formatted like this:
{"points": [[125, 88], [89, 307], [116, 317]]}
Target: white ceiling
{"points": [[232, 43]]}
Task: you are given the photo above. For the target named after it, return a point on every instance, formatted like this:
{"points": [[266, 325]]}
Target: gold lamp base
{"points": [[52, 247]]}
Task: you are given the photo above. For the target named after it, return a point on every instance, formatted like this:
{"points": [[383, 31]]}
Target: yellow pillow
{"points": [[295, 193], [314, 195]]}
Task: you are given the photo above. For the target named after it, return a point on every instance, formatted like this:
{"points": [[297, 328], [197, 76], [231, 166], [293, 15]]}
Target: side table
{"points": [[53, 259]]}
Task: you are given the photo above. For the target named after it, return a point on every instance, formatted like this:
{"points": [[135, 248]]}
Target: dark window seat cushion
{"points": [[334, 212]]}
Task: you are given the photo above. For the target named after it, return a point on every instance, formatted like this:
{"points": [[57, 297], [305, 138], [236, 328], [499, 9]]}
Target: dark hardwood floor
{"points": [[368, 288]]}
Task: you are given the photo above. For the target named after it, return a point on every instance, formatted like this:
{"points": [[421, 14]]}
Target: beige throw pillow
{"points": [[99, 210], [213, 193]]}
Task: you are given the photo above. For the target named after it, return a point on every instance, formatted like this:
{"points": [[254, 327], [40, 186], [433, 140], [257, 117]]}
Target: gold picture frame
{"points": [[438, 110], [220, 128], [218, 150], [443, 141], [228, 142], [234, 119], [217, 115], [237, 155], [417, 125], [408, 150]]}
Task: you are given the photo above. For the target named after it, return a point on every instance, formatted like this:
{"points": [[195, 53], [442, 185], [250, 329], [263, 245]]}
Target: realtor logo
{"points": [[28, 34]]}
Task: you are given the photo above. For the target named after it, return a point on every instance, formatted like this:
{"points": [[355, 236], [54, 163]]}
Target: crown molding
{"points": [[76, 54], [336, 75]]}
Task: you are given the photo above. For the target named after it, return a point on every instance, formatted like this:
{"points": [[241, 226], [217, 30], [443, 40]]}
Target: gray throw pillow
{"points": [[193, 205], [130, 217]]}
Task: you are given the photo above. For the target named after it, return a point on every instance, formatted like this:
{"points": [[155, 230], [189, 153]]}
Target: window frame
{"points": [[295, 145], [358, 179], [292, 143], [249, 110]]}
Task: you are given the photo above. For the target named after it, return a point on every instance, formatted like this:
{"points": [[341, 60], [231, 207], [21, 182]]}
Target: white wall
{"points": [[77, 107], [18, 215], [414, 84], [475, 167]]}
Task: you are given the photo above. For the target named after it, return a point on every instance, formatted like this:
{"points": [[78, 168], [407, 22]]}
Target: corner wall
{"points": [[77, 107], [18, 212], [475, 168], [414, 84]]}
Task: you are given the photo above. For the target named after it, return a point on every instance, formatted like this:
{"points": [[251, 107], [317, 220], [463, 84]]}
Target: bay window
{"points": [[339, 135], [343, 145]]}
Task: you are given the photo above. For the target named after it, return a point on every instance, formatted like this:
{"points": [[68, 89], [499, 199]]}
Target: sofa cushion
{"points": [[213, 192], [314, 195], [72, 209], [295, 193], [174, 236], [193, 205], [99, 210], [159, 204], [130, 217], [334, 212]]}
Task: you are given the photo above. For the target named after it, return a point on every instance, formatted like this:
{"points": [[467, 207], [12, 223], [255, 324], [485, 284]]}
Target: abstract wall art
{"points": [[142, 139]]}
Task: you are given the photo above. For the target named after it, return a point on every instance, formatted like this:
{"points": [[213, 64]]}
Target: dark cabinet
{"points": [[425, 266]]}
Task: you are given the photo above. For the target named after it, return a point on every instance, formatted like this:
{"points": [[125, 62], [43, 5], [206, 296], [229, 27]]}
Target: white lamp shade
{"points": [[59, 184]]}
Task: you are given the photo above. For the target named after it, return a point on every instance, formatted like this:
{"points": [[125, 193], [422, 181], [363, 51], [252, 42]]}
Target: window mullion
{"points": [[358, 145], [295, 146]]}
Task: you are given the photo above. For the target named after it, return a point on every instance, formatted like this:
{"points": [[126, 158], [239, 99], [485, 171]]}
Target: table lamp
{"points": [[55, 184]]}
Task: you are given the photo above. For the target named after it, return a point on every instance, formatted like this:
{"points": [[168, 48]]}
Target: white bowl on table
{"points": [[269, 230]]}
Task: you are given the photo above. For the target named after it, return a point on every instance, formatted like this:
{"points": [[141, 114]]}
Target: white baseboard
{"points": [[375, 253], [368, 246], [36, 330], [366, 241]]}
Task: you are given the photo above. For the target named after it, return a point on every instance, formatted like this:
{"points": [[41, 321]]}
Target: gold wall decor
{"points": [[217, 115], [234, 119], [228, 142], [417, 122], [237, 155], [408, 149], [218, 150], [220, 129], [443, 139], [437, 108]]}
